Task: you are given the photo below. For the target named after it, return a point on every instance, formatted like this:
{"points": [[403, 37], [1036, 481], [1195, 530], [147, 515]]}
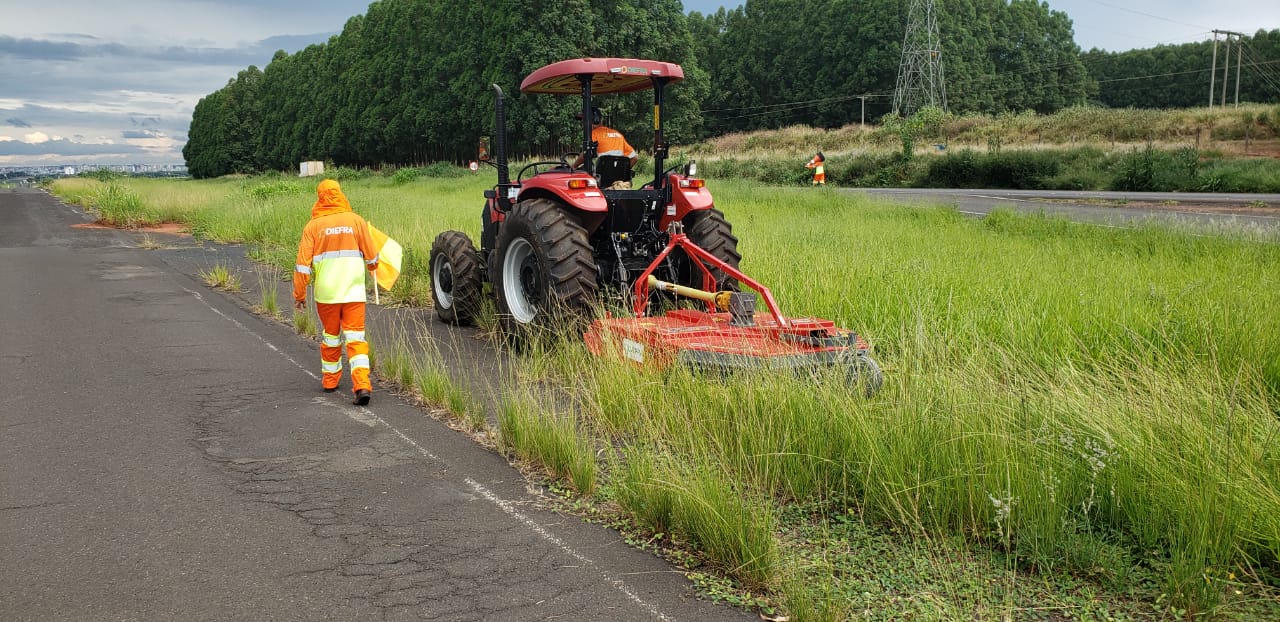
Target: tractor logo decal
{"points": [[633, 350]]}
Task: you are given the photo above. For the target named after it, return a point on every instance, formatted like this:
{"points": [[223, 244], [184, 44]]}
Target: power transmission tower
{"points": [[920, 80]]}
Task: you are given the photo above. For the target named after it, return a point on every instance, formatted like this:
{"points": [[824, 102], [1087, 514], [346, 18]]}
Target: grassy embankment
{"points": [[1218, 150], [1075, 421]]}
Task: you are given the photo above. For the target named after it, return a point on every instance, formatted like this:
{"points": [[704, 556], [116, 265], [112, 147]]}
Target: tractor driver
{"points": [[609, 142]]}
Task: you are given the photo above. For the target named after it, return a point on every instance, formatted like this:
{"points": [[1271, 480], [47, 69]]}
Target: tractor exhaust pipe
{"points": [[500, 138]]}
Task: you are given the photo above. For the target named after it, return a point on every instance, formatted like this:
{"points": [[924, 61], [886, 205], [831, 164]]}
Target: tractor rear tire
{"points": [[457, 276], [545, 274], [709, 230]]}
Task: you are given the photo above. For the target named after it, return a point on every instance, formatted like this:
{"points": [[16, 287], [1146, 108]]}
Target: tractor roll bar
{"points": [[588, 145], [659, 147]]}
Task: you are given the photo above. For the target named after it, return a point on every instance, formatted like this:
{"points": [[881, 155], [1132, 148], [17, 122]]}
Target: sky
{"points": [[115, 82]]}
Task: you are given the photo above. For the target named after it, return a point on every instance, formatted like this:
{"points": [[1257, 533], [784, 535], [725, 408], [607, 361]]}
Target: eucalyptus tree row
{"points": [[409, 81], [781, 62], [1179, 76]]}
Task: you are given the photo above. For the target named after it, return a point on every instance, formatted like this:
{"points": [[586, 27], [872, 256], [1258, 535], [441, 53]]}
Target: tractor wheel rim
{"points": [[442, 280], [519, 280]]}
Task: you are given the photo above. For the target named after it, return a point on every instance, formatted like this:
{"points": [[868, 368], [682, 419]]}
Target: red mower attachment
{"points": [[728, 335]]}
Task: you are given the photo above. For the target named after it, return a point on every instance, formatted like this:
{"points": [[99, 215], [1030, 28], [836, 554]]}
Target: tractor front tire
{"points": [[545, 274], [457, 276], [709, 230], [864, 374]]}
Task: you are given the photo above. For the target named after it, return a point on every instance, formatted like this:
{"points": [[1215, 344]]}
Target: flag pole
{"points": [[375, 282]]}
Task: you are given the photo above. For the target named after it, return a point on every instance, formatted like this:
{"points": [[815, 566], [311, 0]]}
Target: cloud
{"points": [[254, 53], [64, 147], [33, 49], [16, 122], [142, 134], [36, 137]]}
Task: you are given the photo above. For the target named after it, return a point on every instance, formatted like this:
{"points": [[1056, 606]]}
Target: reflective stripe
{"points": [[353, 335], [359, 360], [372, 261], [303, 269], [331, 368], [332, 341], [335, 255]]}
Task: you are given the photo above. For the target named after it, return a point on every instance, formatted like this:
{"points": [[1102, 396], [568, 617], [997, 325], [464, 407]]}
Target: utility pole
{"points": [[1226, 65], [920, 78], [1213, 69]]}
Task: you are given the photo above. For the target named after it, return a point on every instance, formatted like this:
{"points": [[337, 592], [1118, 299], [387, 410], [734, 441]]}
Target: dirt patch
{"points": [[168, 228], [1240, 210], [1268, 209]]}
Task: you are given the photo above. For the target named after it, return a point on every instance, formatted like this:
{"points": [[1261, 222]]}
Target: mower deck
{"points": [[710, 342]]}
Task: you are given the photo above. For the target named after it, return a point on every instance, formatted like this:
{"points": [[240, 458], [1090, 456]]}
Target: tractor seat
{"points": [[610, 169]]}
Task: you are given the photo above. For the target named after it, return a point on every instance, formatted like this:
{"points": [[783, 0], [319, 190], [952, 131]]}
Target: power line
{"points": [[1121, 8], [811, 101]]}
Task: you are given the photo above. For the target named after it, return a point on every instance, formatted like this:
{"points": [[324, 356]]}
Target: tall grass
{"points": [[1076, 126], [1092, 402], [1081, 148], [548, 438]]}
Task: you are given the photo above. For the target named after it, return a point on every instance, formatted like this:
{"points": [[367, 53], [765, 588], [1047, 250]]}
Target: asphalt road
{"points": [[168, 455], [1203, 210]]}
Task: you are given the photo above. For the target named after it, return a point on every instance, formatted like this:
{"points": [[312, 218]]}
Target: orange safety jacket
{"points": [[336, 250], [610, 142], [819, 174], [816, 165]]}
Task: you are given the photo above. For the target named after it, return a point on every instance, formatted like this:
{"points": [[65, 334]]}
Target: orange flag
{"points": [[390, 253]]}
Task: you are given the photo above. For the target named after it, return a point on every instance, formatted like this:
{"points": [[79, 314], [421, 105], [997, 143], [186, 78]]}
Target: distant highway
{"points": [[1104, 208]]}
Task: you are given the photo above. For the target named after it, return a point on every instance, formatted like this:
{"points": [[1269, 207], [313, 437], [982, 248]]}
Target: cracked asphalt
{"points": [[168, 455]]}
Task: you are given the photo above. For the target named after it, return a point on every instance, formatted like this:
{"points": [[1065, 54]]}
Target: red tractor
{"points": [[557, 240]]}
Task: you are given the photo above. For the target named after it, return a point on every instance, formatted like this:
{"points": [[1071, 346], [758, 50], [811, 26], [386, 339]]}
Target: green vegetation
{"points": [[1078, 148], [777, 63], [1177, 76], [269, 290], [220, 277], [1076, 422], [408, 83]]}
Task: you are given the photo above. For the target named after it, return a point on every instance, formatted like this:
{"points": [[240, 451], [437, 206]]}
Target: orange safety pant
{"points": [[343, 322]]}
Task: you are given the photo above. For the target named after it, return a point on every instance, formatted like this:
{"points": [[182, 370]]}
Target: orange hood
{"points": [[330, 200]]}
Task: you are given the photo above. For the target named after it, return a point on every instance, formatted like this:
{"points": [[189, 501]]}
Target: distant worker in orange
{"points": [[335, 251], [819, 174], [609, 142]]}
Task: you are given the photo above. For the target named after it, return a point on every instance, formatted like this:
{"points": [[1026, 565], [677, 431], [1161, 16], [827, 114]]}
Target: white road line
{"points": [[502, 504], [618, 584]]}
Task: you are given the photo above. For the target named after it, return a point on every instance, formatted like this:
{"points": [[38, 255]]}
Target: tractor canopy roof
{"points": [[608, 75]]}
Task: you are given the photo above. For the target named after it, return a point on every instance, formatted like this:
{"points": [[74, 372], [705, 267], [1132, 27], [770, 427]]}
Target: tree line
{"points": [[1178, 76], [408, 81]]}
